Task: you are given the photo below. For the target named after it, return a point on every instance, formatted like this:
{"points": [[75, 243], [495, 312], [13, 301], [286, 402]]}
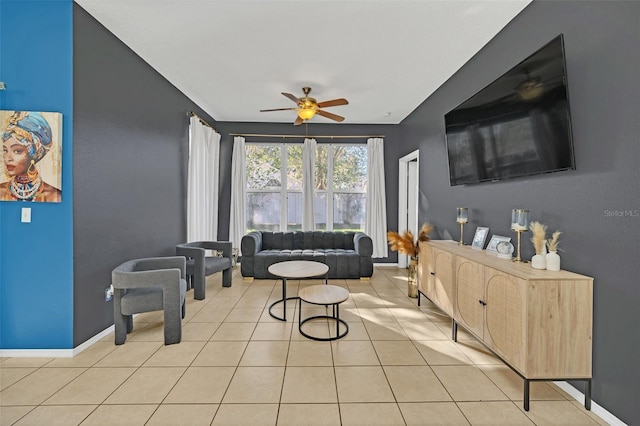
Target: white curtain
{"points": [[376, 219], [308, 184], [237, 220], [202, 185]]}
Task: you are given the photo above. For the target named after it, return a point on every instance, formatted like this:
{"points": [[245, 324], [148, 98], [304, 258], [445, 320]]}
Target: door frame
{"points": [[403, 185]]}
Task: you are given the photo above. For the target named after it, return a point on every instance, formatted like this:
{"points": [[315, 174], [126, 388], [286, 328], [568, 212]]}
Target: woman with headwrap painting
{"points": [[26, 139]]}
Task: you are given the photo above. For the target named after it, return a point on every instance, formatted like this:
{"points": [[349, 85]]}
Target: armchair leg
{"points": [[120, 323], [226, 277], [172, 325], [128, 319], [198, 287]]}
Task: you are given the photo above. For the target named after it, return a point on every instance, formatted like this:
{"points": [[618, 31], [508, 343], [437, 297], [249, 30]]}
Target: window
{"points": [[274, 187]]}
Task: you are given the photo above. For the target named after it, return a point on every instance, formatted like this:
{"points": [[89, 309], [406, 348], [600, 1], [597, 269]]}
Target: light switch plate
{"points": [[26, 215]]}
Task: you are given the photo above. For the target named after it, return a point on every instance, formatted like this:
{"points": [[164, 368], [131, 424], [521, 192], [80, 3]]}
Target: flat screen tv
{"points": [[519, 125]]}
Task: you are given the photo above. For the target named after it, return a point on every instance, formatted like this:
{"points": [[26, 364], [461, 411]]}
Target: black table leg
{"points": [[284, 302], [284, 299], [526, 395]]}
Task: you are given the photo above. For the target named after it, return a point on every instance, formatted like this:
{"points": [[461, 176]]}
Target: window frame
{"points": [[329, 192]]}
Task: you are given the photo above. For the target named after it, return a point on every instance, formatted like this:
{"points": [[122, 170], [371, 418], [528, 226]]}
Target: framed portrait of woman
{"points": [[31, 156]]}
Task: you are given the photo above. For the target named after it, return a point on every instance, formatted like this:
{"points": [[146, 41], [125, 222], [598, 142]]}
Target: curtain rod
{"points": [[201, 120], [261, 135]]}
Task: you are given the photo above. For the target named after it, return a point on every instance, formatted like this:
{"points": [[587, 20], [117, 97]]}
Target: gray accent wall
{"points": [[597, 206], [129, 166]]}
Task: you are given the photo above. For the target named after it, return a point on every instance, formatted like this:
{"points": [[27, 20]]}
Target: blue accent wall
{"points": [[36, 259]]}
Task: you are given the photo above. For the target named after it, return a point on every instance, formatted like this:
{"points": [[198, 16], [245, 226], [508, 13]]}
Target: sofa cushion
{"points": [[342, 263]]}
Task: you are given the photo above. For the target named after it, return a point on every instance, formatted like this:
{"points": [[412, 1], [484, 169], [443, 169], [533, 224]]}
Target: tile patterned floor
{"points": [[238, 366]]}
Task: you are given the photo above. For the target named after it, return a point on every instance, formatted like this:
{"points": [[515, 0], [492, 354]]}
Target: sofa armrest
{"points": [[251, 244], [363, 244]]}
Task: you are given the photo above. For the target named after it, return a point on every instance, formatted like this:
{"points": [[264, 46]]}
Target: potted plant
{"points": [[539, 240], [406, 244], [552, 258]]}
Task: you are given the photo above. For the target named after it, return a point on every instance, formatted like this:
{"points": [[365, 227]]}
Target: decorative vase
{"points": [[539, 261], [413, 278], [553, 261]]}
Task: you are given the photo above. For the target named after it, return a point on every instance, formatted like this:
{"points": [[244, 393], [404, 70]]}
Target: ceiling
{"points": [[234, 58]]}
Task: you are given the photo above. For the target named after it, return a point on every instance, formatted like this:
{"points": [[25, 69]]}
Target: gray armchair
{"points": [[199, 266], [145, 285]]}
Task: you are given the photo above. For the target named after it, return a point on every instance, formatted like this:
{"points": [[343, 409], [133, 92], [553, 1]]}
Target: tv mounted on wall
{"points": [[519, 125]]}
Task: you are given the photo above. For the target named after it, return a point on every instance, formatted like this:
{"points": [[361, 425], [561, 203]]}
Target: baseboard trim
{"points": [[55, 353], [95, 339], [36, 353], [596, 409]]}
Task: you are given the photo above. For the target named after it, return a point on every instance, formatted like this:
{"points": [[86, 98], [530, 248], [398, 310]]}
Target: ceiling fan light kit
{"points": [[308, 107], [306, 113]]}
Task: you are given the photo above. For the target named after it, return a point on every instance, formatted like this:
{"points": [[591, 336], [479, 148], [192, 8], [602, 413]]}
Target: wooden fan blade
{"points": [[334, 102], [290, 96], [298, 121], [277, 109], [330, 116]]}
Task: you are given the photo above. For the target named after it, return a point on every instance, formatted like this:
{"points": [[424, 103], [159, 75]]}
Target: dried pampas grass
{"points": [[425, 230], [405, 243], [553, 242], [539, 232]]}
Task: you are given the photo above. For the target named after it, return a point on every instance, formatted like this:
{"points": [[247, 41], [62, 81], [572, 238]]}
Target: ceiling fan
{"points": [[307, 107]]}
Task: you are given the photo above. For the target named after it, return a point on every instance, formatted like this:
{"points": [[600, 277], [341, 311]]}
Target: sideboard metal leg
{"points": [[587, 395], [454, 330], [418, 297], [526, 395]]}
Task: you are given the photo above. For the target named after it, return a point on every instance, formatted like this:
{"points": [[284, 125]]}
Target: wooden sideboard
{"points": [[538, 322]]}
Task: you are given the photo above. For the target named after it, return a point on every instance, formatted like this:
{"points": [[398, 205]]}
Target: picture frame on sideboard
{"points": [[493, 243], [480, 237]]}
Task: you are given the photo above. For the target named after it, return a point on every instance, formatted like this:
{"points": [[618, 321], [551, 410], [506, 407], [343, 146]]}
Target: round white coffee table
{"points": [[294, 269], [323, 295]]}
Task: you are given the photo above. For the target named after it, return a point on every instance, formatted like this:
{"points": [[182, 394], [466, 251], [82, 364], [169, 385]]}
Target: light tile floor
{"points": [[236, 365]]}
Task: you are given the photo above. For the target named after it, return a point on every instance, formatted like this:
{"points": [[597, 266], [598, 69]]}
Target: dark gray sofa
{"points": [[348, 254]]}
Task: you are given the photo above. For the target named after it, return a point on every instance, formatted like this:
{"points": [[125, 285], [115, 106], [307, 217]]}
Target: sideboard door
{"points": [[470, 296], [505, 329]]}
